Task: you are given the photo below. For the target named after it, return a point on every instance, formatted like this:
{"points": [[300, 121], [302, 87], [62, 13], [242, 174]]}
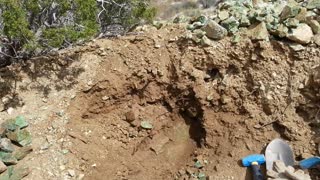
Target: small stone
{"points": [[244, 21], [231, 24], [10, 125], [198, 164], [302, 34], [22, 152], [22, 137], [157, 46], [225, 99], [182, 172], [3, 130], [71, 173], [60, 113], [7, 158], [302, 16], [65, 151], [81, 176], [199, 33], [292, 22], [21, 122], [236, 38], [2, 107], [131, 116], [290, 10], [279, 6], [316, 39], [146, 125], [6, 145], [206, 41], [296, 47], [214, 31], [282, 31], [223, 15], [3, 167], [16, 173], [10, 110], [158, 24], [315, 26], [180, 19], [202, 176], [105, 98], [313, 4], [306, 155], [190, 27], [259, 32], [45, 146], [62, 167]]}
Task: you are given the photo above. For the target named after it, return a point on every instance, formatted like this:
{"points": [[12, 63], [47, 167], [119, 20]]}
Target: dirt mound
{"points": [[159, 103]]}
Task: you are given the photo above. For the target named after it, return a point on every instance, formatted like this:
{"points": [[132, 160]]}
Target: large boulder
{"points": [[302, 34], [214, 30]]}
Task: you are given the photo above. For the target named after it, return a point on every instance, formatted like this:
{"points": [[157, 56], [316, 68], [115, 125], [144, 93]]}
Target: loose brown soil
{"points": [[216, 103], [213, 104]]}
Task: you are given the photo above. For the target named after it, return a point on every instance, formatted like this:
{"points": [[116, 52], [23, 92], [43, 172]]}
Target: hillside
{"points": [[148, 106], [166, 101]]}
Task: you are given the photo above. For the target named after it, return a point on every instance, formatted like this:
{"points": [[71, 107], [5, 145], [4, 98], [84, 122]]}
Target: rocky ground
{"points": [[157, 106], [167, 102]]}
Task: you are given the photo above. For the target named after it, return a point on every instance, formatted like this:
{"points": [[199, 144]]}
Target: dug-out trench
{"points": [[156, 112]]}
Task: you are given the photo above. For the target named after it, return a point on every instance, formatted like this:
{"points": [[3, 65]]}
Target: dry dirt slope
{"points": [[212, 104]]}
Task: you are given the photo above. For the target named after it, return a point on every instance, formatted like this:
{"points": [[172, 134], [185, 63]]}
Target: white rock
{"points": [[81, 176], [10, 110], [72, 173], [302, 34]]}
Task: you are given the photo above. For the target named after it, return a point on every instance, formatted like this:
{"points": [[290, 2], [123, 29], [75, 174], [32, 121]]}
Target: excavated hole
{"points": [[190, 110], [176, 116]]}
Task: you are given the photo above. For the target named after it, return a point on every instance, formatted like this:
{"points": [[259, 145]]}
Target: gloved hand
{"points": [[281, 172]]}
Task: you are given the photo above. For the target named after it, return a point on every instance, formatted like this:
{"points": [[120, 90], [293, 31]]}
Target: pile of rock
{"points": [[296, 20], [14, 146]]}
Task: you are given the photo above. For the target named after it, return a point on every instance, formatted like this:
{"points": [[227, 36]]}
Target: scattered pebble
{"points": [[105, 98], [81, 176], [146, 125], [62, 167], [10, 110], [71, 173]]}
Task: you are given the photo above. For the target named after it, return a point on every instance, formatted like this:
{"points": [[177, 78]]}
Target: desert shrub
{"points": [[28, 27]]}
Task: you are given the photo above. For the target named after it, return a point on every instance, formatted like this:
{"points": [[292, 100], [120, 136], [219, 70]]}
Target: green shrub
{"points": [[46, 24], [14, 20]]}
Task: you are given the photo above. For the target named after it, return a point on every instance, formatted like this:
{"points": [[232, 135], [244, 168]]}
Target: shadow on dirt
{"points": [[45, 73]]}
